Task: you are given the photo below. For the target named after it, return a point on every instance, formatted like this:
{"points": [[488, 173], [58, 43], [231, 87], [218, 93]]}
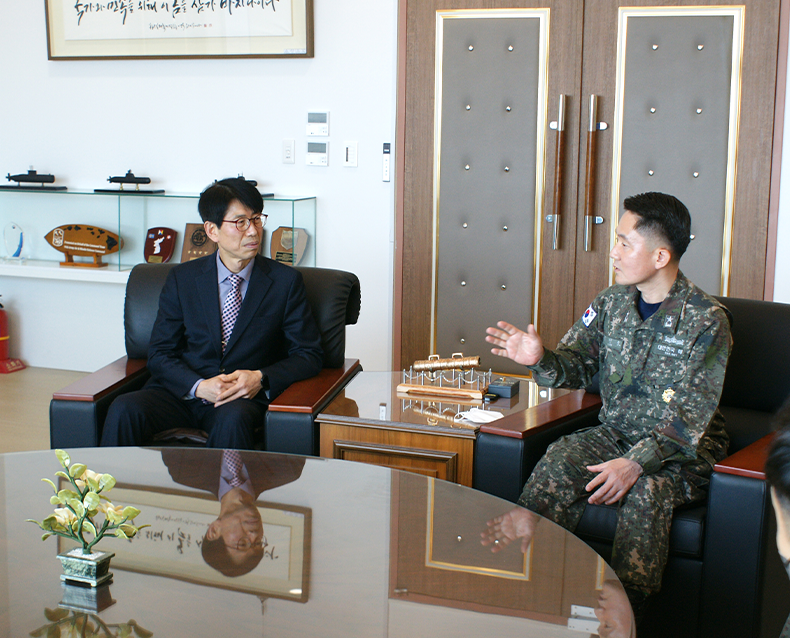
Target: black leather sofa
{"points": [[77, 412], [724, 578]]}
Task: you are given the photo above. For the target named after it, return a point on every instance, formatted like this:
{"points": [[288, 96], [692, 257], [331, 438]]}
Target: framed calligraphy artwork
{"points": [[128, 29], [178, 543]]}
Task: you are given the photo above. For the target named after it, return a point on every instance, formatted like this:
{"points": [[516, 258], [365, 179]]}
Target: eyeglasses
{"points": [[243, 223], [244, 544]]}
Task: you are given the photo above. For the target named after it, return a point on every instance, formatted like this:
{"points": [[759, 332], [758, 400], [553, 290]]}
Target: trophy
{"points": [[14, 240]]}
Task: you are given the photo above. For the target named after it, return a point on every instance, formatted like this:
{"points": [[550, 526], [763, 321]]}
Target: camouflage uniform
{"points": [[660, 383]]}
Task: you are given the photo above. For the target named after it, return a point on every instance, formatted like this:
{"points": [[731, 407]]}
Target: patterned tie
{"points": [[230, 310], [232, 459]]}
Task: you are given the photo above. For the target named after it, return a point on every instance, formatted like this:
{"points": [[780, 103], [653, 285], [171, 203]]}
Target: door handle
{"points": [[590, 218], [559, 161]]}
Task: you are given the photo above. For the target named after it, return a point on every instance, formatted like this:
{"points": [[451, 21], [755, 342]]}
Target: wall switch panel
{"points": [[350, 153], [385, 176], [289, 148]]}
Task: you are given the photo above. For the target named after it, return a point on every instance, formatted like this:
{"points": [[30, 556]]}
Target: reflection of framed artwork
{"points": [[445, 533], [171, 547], [179, 29]]}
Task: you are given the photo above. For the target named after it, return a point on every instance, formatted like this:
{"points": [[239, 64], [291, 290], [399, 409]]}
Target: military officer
{"points": [[660, 346]]}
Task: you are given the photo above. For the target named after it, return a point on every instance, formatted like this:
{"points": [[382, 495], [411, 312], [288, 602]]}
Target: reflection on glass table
{"points": [[302, 547]]}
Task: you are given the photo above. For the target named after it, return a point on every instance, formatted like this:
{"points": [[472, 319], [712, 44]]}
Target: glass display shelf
{"points": [[129, 215]]}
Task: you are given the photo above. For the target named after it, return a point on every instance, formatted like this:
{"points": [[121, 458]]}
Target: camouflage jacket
{"points": [[660, 379]]}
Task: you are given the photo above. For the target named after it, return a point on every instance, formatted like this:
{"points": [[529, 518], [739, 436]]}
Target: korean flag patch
{"points": [[588, 316]]}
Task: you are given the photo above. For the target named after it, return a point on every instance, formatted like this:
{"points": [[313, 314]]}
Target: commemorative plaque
{"points": [[196, 243], [288, 245], [78, 240], [159, 245]]}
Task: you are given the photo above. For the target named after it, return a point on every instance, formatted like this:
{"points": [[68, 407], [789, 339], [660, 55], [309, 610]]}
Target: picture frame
{"points": [[162, 29], [179, 519]]}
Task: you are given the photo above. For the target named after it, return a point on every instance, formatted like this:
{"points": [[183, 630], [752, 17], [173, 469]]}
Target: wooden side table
{"points": [[371, 423]]}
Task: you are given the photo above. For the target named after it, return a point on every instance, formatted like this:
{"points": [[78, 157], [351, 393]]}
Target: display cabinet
{"points": [[291, 222]]}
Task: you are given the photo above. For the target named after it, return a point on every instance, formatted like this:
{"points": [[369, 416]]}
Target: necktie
{"points": [[230, 309], [233, 460]]}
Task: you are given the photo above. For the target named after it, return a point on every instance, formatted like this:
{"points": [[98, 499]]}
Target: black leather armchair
{"points": [[724, 578], [77, 412]]}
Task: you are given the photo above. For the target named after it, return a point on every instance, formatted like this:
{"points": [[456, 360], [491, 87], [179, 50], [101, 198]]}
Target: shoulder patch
{"points": [[588, 316]]}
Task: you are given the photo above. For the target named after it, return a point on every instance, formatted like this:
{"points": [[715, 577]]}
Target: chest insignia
{"points": [[588, 316], [669, 321], [668, 394]]}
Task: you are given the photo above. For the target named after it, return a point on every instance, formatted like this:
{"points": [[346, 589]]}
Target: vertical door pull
{"points": [[555, 217], [590, 217]]}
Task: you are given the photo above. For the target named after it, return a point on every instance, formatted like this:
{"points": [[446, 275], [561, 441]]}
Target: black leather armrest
{"points": [[290, 419], [507, 450], [77, 412], [745, 590]]}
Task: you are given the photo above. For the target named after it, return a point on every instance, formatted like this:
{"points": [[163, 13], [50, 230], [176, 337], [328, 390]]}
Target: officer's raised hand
{"points": [[522, 347]]}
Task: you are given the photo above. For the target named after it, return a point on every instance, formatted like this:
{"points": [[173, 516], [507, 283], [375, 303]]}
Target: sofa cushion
{"points": [[685, 538]]}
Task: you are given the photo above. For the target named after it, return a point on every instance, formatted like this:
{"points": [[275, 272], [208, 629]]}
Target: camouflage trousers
{"points": [[556, 491]]}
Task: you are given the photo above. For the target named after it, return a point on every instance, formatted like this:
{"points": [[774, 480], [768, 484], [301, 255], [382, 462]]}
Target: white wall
{"points": [[188, 122]]}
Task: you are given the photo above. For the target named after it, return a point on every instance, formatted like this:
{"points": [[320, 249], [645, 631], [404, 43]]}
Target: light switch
{"points": [[289, 147], [350, 153], [385, 164]]}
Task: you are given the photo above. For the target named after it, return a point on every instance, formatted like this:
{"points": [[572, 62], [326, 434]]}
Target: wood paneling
{"points": [[582, 59], [442, 456]]}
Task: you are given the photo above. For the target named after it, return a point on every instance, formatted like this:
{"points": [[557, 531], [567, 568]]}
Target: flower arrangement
{"points": [[76, 511], [74, 624]]}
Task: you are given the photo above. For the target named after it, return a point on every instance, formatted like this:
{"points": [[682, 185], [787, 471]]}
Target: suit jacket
{"points": [[274, 331], [201, 468]]}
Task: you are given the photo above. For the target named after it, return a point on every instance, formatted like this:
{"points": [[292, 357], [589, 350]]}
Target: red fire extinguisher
{"points": [[6, 364]]}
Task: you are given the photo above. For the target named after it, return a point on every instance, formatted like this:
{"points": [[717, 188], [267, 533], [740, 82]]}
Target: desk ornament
{"points": [[159, 245], [67, 621], [196, 243], [75, 515], [26, 181], [129, 179], [288, 245], [83, 241], [453, 378], [14, 239]]}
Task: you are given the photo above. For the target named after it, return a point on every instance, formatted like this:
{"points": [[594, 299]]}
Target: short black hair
{"points": [[215, 553], [215, 199], [777, 466], [665, 216]]}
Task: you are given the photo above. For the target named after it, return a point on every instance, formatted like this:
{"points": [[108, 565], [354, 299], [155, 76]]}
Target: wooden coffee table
{"points": [[370, 422]]}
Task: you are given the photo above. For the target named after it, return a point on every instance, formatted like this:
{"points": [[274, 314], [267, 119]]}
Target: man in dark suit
{"points": [[234, 543], [233, 331]]}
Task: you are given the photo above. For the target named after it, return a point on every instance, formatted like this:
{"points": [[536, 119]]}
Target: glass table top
{"points": [[303, 547], [374, 397]]}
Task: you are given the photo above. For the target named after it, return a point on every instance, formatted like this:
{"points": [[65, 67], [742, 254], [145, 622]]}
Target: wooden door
{"points": [[587, 56]]}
